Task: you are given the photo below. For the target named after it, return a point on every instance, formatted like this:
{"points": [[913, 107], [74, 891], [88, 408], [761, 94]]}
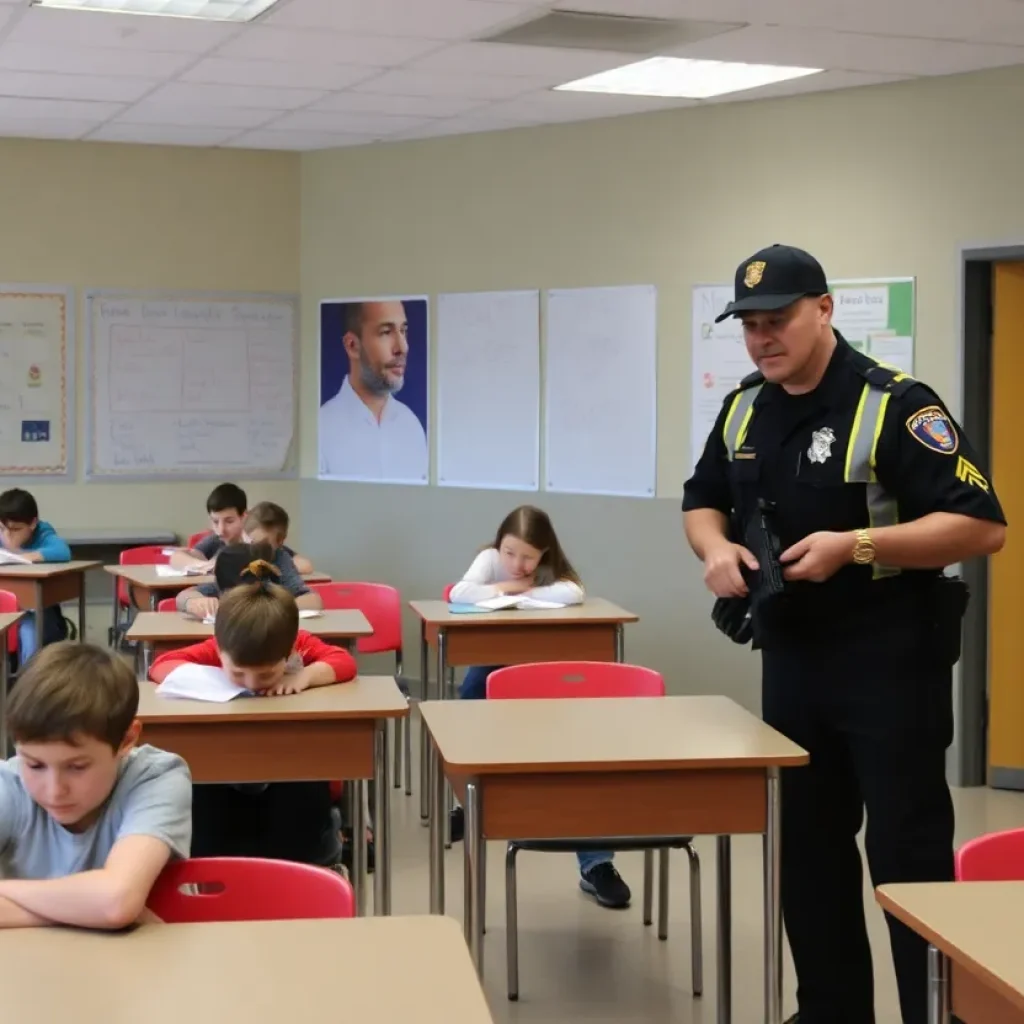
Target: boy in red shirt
{"points": [[258, 644]]}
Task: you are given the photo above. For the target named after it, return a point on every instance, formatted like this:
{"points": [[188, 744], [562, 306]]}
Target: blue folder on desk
{"points": [[457, 608]]}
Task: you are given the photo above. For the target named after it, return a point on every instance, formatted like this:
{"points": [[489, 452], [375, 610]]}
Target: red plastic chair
{"points": [[168, 604], [248, 889], [996, 857], [448, 592], [150, 554], [197, 537], [8, 606], [561, 680], [382, 606]]}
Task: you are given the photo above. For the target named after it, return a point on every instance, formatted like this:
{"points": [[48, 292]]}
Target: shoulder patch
{"points": [[934, 429]]}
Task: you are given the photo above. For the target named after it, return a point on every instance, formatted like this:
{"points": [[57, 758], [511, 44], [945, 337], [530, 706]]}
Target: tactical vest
{"points": [[881, 383]]}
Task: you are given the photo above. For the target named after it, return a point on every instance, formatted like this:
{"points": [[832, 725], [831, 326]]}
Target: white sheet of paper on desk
{"points": [[519, 601], [169, 570], [310, 613], [200, 682], [10, 558]]}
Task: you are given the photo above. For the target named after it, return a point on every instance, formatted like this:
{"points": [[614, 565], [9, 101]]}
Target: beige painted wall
{"points": [[876, 182], [116, 216]]}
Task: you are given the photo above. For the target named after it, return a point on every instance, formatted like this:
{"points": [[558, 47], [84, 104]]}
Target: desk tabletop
{"points": [[44, 570], [8, 619], [980, 925], [162, 626], [147, 576], [593, 612], [260, 972], [363, 697], [624, 734]]}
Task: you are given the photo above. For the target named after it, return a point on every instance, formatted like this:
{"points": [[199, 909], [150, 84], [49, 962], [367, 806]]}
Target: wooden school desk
{"points": [[330, 732], [655, 766], [8, 621], [592, 631], [42, 584], [976, 936], [374, 971]]}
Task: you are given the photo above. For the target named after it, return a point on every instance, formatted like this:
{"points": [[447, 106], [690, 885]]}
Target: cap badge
{"points": [[755, 271]]}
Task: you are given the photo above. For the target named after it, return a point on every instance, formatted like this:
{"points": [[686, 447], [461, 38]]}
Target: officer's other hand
{"points": [[817, 557], [722, 569]]}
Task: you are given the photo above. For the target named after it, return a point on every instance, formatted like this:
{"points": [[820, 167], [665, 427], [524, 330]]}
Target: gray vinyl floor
{"points": [[581, 963]]}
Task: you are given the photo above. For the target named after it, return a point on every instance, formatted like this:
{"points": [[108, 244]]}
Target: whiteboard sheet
{"points": [[37, 380], [601, 391], [190, 386], [489, 390], [720, 361]]}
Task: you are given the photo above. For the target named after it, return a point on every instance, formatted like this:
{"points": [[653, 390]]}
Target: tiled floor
{"points": [[580, 963]]}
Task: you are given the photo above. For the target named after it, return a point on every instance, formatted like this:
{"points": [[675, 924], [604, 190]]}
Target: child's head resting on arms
{"points": [[256, 627], [528, 548], [19, 517], [72, 716]]}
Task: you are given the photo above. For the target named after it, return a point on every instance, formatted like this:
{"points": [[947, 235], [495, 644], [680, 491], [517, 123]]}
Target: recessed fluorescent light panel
{"points": [[204, 10], [679, 78]]}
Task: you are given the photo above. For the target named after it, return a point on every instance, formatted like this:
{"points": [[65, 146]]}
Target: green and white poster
{"points": [[876, 316]]}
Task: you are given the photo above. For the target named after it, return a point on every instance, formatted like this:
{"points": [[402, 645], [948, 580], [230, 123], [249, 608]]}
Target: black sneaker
{"points": [[605, 884], [457, 824]]}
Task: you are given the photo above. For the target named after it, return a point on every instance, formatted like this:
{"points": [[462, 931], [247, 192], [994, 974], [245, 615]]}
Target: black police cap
{"points": [[774, 278]]}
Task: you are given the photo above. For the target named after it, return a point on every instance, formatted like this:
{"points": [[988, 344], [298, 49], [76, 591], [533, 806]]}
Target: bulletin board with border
{"points": [[37, 381]]}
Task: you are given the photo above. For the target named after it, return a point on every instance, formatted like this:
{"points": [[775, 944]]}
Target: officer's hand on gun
{"points": [[722, 574], [817, 557]]}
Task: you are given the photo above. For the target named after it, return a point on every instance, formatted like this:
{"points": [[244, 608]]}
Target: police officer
{"points": [[868, 489]]}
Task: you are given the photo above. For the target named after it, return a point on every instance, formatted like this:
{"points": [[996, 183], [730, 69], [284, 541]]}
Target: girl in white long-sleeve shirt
{"points": [[526, 558]]}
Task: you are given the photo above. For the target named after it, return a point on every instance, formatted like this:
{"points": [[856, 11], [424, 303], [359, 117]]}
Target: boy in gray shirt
{"points": [[87, 819]]}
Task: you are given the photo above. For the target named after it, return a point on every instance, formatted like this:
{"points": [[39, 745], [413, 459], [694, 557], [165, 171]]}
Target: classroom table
{"points": [[975, 932], [8, 620], [374, 971], [43, 584], [621, 767], [330, 732], [592, 631]]}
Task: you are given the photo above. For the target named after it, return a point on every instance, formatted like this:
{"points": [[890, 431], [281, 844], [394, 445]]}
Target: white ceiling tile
{"points": [[162, 135], [851, 51], [265, 42], [45, 127], [422, 83], [538, 107], [210, 116], [423, 19], [268, 139], [457, 126], [73, 87], [189, 94], [372, 125], [70, 60], [73, 110], [409, 106], [826, 82], [542, 63], [297, 75], [42, 26]]}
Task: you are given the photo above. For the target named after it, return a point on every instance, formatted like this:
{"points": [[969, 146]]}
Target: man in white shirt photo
{"points": [[365, 432]]}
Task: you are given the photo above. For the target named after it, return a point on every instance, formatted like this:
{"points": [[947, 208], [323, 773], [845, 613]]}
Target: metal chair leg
{"points": [[511, 923], [663, 893], [648, 885], [407, 753], [401, 724], [696, 923]]}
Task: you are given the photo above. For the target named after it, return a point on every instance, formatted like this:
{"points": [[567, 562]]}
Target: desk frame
{"points": [[37, 593]]}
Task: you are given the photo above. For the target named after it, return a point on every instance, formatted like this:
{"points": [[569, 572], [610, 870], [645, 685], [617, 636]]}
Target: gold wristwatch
{"points": [[863, 548]]}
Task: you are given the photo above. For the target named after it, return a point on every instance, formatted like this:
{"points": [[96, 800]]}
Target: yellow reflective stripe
{"points": [[879, 420], [742, 406], [728, 419], [741, 435], [858, 419]]}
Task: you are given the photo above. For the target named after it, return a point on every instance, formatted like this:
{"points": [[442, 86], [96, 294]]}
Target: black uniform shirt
{"points": [[922, 460]]}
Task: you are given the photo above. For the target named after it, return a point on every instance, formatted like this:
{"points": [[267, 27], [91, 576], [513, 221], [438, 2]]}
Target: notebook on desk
{"points": [[10, 558], [504, 602], [192, 570], [200, 682]]}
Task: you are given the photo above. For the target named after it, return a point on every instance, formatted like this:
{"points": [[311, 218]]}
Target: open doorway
{"points": [[989, 746]]}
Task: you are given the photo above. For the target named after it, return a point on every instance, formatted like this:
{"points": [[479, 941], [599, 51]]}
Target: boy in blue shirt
{"points": [[23, 533], [88, 820]]}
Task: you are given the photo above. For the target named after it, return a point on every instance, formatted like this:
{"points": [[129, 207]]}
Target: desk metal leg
{"points": [[938, 987], [424, 743], [40, 609], [382, 822], [358, 787], [620, 643], [773, 904], [474, 875], [81, 608], [116, 623], [442, 668], [436, 780], [724, 930]]}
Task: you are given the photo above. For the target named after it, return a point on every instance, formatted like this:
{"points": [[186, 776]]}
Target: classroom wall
{"points": [[876, 182], [100, 215]]}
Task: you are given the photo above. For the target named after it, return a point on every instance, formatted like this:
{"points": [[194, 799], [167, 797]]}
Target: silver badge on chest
{"points": [[821, 445]]}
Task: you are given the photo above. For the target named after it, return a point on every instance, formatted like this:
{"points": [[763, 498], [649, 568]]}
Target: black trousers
{"points": [[874, 710]]}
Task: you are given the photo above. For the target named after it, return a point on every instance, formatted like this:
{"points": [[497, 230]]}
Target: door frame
{"points": [[967, 762]]}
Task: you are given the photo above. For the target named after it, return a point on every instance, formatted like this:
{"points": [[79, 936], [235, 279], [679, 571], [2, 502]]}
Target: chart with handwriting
{"points": [[190, 386]]}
